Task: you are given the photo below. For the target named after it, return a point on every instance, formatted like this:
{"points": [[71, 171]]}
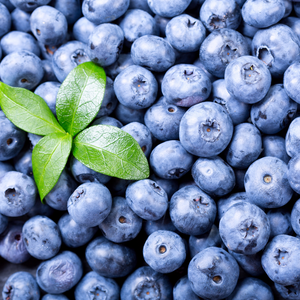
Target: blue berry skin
{"points": [[42, 237], [48, 25], [54, 297], [20, 20], [201, 242], [200, 65], [5, 167], [185, 33], [47, 51], [60, 273], [23, 163], [262, 14], [279, 259], [183, 287], [220, 48], [199, 211], [3, 223], [280, 221], [122, 224], [90, 204], [136, 23], [217, 14], [169, 185], [12, 139], [17, 41], [106, 120], [245, 146], [248, 30], [58, 197], [145, 283], [292, 22], [251, 288], [136, 87], [105, 44], [153, 52], [82, 29], [28, 69], [48, 71], [291, 81], [94, 285], [214, 176], [109, 259], [8, 5], [147, 199], [72, 234], [244, 228], [164, 223], [48, 91], [42, 209], [140, 4], [17, 194], [12, 246], [290, 292], [126, 115], [168, 8], [185, 85], [292, 138], [213, 273], [205, 129], [169, 160], [67, 57], [295, 217], [238, 111], [162, 24], [277, 46], [274, 112], [100, 12], [247, 79], [266, 183], [164, 251], [21, 285], [274, 145], [249, 263], [163, 119], [83, 174], [70, 9], [120, 65], [5, 20], [29, 6]]}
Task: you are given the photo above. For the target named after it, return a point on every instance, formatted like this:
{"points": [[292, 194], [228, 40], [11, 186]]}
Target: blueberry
{"points": [[109, 259], [60, 273], [28, 5], [213, 273], [42, 209], [290, 81], [96, 286], [71, 9], [183, 287], [292, 22], [266, 183], [164, 223], [274, 145], [248, 30], [140, 4], [120, 65], [168, 8], [21, 285], [20, 20], [162, 24], [126, 115], [90, 204], [244, 228], [292, 139], [106, 120], [288, 292], [295, 217], [280, 221], [82, 29], [3, 223], [54, 297], [5, 22], [23, 163], [169, 185]]}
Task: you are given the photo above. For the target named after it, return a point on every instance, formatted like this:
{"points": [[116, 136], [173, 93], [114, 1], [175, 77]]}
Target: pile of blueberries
{"points": [[210, 91]]}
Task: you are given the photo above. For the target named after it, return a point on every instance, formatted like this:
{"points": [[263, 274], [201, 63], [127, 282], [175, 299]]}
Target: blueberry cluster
{"points": [[210, 91]]}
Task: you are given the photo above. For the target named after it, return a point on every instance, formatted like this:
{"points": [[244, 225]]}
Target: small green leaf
{"points": [[27, 110], [49, 157], [111, 151], [79, 97]]}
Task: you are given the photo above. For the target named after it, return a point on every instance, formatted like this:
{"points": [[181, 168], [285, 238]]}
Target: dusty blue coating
{"points": [[82, 29], [54, 297], [168, 8], [121, 64], [292, 22], [291, 292], [295, 217], [277, 46], [291, 81], [185, 85], [72, 234], [42, 209], [136, 87], [122, 224], [274, 112], [192, 211], [185, 33], [71, 9], [266, 183], [109, 259], [127, 115], [140, 4], [217, 14], [105, 11], [274, 145], [20, 20], [153, 53], [5, 22], [294, 172], [205, 129], [106, 120], [42, 237], [292, 138], [262, 14], [280, 221], [48, 71], [162, 24], [144, 280], [105, 44], [183, 287], [27, 5], [60, 273], [220, 48], [213, 264], [214, 176], [94, 284], [164, 223], [245, 146], [248, 30], [22, 162], [164, 251]]}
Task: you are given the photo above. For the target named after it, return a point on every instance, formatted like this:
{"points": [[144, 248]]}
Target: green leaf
{"points": [[27, 110], [79, 97], [49, 157], [111, 151]]}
